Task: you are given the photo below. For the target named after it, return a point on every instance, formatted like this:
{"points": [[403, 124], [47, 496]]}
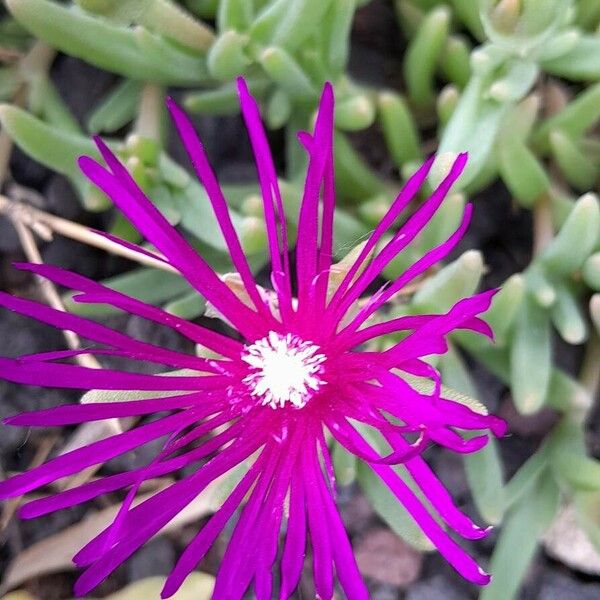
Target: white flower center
{"points": [[283, 369]]}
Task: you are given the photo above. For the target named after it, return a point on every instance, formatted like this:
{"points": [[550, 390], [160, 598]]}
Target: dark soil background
{"points": [[392, 568]]}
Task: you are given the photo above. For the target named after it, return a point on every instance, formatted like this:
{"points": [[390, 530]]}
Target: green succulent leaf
{"points": [[531, 358], [522, 172], [399, 129], [457, 280], [134, 53], [344, 465], [423, 54], [576, 239], [580, 63], [116, 109], [518, 540]]}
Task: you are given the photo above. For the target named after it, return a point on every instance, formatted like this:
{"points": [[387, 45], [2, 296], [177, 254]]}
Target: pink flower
{"points": [[295, 375]]}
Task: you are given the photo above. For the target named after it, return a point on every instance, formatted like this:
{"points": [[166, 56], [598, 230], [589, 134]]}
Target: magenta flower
{"points": [[294, 379]]}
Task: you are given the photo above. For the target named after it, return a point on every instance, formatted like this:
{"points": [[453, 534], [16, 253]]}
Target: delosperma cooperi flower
{"points": [[298, 376]]}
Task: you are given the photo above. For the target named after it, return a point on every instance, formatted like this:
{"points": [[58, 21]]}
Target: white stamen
{"points": [[283, 369]]}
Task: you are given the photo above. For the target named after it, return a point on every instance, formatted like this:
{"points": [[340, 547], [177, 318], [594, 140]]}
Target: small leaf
{"points": [[399, 129], [503, 310], [299, 20], [234, 14], [567, 316], [387, 506], [576, 239], [468, 14], [336, 27], [344, 465], [578, 470], [579, 170], [526, 477], [530, 358], [580, 63], [51, 146], [518, 539], [455, 60], [116, 109], [574, 119], [353, 177], [189, 306], [134, 53], [279, 109], [227, 57], [457, 280], [423, 54], [519, 78], [287, 73], [446, 103], [522, 172], [473, 128]]}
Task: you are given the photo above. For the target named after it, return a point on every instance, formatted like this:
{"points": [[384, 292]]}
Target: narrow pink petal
{"points": [[141, 212], [318, 526], [73, 414], [403, 237], [171, 501], [237, 567], [347, 436], [452, 440], [93, 454], [272, 202], [442, 501], [294, 551], [308, 220], [100, 333], [345, 563], [96, 292], [405, 323], [269, 520], [205, 174], [129, 245], [84, 378], [199, 546], [452, 552], [420, 266], [105, 485], [462, 312], [408, 192]]}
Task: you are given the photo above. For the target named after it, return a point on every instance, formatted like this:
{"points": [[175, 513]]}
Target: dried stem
{"points": [[37, 219]]}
